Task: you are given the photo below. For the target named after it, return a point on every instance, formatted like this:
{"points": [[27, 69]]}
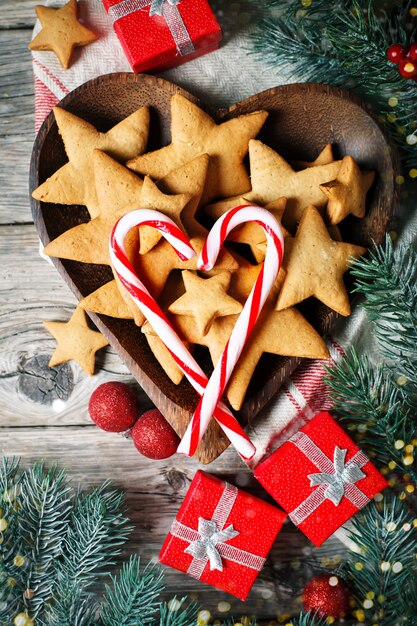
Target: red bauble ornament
{"points": [[154, 437], [327, 594], [407, 68], [114, 407], [396, 52], [412, 51]]}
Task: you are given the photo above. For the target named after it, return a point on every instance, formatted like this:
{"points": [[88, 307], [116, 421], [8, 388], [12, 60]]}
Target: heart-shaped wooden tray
{"points": [[302, 119]]}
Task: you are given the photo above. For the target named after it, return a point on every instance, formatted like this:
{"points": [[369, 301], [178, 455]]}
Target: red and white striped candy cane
{"points": [[156, 317], [247, 318]]}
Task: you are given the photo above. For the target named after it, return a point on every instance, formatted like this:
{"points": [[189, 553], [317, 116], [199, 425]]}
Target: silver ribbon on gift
{"points": [[335, 479], [168, 9], [209, 542]]}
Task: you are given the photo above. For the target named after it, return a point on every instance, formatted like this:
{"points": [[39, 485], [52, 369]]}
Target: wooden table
{"points": [[44, 416]]}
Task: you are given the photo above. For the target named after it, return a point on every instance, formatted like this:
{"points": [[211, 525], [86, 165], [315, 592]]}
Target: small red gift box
{"points": [[159, 34], [221, 535], [320, 477]]}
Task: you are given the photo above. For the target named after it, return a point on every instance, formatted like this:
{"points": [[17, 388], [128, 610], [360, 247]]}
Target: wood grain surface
{"points": [[46, 417]]}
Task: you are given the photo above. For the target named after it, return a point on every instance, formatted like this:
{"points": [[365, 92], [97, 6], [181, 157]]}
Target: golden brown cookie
{"points": [[254, 235], [107, 300], [169, 205], [272, 177], [61, 31], [205, 299], [325, 157], [118, 191], [316, 266], [76, 341], [347, 192], [193, 132], [162, 354], [74, 182]]}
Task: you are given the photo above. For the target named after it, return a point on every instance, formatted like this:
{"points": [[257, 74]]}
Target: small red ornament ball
{"points": [[412, 51], [328, 595], [396, 52], [114, 407], [407, 68], [154, 437]]}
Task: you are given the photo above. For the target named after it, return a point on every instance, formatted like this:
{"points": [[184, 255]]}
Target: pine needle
{"points": [[133, 597]]}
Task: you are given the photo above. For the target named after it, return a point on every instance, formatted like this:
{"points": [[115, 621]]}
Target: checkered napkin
{"points": [[304, 392]]}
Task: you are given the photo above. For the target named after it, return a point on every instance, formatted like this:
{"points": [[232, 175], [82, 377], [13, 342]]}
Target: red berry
{"points": [[114, 407], [396, 52], [412, 51], [154, 437], [328, 595], [407, 68]]}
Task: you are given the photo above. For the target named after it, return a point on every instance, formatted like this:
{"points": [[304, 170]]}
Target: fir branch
{"points": [[308, 619], [384, 572], [96, 532], [9, 495], [372, 403], [173, 613], [344, 42], [10, 596], [45, 506], [133, 597], [388, 280]]}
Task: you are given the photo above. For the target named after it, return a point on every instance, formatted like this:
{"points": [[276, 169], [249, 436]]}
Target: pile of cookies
{"points": [[194, 180]]}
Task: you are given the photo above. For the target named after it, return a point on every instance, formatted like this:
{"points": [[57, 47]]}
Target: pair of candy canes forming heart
{"points": [[211, 389]]}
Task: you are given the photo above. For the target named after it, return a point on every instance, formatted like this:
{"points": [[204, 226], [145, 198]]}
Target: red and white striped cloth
{"points": [[303, 393]]}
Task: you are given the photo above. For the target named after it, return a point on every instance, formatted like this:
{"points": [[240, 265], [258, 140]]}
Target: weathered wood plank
{"points": [[155, 490], [31, 291], [16, 124], [17, 14]]}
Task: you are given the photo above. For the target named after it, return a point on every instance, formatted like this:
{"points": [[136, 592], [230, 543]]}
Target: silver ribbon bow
{"points": [[336, 482], [210, 537], [165, 8], [335, 479], [209, 543]]}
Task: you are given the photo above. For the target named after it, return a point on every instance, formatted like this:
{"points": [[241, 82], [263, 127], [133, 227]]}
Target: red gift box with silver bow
{"points": [[159, 34], [320, 477], [221, 535]]}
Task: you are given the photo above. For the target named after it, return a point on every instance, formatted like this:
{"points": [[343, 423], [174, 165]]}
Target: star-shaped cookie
{"points": [[61, 31], [205, 299], [118, 191], [74, 182], [285, 333], [76, 341], [272, 177], [193, 132], [325, 157], [316, 265], [252, 234], [347, 193], [107, 300], [170, 205]]}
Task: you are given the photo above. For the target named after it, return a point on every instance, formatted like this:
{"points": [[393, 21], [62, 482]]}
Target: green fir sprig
{"points": [[308, 619], [57, 543], [388, 280], [372, 404], [344, 43], [383, 570]]}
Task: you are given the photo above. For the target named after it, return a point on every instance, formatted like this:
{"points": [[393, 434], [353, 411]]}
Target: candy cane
{"points": [[158, 320], [247, 318]]}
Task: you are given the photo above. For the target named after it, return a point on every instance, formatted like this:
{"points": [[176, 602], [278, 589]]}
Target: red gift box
{"points": [[320, 477], [221, 535], [159, 34]]}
